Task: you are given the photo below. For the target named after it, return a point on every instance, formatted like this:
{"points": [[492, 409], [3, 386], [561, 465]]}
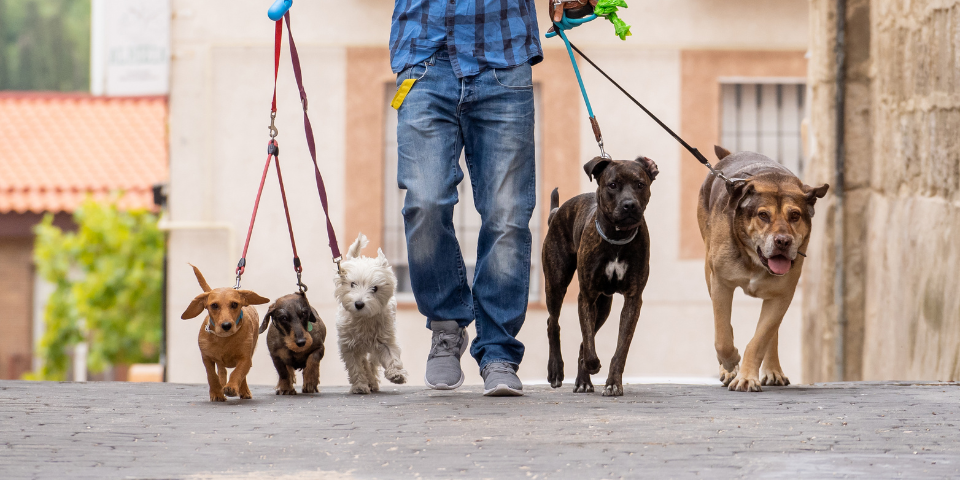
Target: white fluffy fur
{"points": [[367, 337]]}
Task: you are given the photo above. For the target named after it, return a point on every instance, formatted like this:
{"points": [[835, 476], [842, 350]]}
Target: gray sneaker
{"points": [[443, 363], [500, 380]]}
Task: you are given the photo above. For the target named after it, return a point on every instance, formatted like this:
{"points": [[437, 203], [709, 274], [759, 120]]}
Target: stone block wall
{"points": [[902, 203]]}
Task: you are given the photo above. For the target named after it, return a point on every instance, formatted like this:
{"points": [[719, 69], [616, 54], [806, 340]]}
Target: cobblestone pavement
{"points": [[125, 430]]}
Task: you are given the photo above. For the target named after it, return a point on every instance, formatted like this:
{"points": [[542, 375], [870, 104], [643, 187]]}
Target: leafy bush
{"points": [[108, 277]]}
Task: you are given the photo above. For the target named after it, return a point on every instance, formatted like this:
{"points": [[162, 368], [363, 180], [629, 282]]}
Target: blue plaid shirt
{"points": [[478, 34]]}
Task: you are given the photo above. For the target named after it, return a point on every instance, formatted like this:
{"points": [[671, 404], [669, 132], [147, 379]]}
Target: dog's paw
{"points": [[360, 389], [555, 373], [230, 391], [774, 378], [744, 384], [217, 397], [592, 365], [726, 376], [246, 395], [396, 376], [310, 389], [583, 385], [613, 390], [287, 391]]}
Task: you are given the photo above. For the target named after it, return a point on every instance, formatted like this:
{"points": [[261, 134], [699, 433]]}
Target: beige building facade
{"points": [[900, 312], [682, 58]]}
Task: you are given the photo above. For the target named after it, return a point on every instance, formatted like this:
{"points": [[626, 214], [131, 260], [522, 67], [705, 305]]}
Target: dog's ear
{"points": [[595, 167], [649, 166], [721, 152], [813, 194], [250, 298], [203, 282], [737, 191], [196, 306], [266, 318], [358, 244], [382, 259]]}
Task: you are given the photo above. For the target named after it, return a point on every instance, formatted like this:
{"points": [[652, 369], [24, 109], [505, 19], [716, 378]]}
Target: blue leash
{"points": [[583, 91]]}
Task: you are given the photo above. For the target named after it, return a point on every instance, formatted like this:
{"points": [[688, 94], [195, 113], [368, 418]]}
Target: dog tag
{"points": [[309, 326], [402, 92]]}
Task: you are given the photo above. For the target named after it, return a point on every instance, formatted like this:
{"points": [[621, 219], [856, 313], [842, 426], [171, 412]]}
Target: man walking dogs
{"points": [[464, 83]]}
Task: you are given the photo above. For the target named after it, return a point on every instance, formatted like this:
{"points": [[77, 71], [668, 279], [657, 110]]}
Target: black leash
{"points": [[693, 151]]}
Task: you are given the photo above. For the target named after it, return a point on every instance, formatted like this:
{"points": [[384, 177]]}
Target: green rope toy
{"points": [[608, 9]]}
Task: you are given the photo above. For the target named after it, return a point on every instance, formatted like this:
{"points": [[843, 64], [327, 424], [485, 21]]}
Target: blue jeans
{"points": [[490, 116]]}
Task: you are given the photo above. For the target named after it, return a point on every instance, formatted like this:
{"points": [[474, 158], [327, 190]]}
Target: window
{"points": [[466, 220], [764, 116]]}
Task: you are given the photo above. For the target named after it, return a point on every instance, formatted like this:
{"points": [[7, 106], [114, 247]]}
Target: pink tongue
{"points": [[779, 264]]}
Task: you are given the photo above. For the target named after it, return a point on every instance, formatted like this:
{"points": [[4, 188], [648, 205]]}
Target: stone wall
{"points": [[902, 203]]}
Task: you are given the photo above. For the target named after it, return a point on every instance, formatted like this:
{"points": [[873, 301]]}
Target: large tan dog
{"points": [[228, 336], [756, 231]]}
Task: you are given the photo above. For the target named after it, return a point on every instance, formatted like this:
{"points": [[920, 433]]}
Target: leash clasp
{"points": [[241, 266], [337, 261], [603, 154], [302, 286], [273, 128]]}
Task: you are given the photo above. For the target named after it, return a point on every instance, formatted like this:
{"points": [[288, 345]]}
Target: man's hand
{"points": [[580, 6], [580, 12]]}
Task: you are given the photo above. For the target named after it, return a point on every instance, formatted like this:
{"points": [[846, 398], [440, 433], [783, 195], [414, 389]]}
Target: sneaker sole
{"points": [[502, 391], [444, 386]]}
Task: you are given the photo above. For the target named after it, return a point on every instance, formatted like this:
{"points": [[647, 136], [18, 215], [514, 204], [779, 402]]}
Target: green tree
{"points": [[108, 277], [45, 45]]}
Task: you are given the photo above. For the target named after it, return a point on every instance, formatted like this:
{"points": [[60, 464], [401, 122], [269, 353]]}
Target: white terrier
{"points": [[366, 319]]}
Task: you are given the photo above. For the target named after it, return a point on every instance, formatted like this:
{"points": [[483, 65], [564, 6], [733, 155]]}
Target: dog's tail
{"points": [[203, 282], [359, 243], [554, 204]]}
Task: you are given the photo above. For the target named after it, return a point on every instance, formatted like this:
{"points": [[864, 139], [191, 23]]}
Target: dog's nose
{"points": [[783, 242], [359, 304], [628, 205], [226, 326], [301, 342]]}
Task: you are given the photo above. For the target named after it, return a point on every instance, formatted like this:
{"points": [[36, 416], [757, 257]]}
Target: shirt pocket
{"points": [[518, 77]]}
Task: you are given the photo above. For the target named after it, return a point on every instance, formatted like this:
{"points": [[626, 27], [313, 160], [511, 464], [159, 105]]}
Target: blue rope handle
{"points": [[576, 70]]}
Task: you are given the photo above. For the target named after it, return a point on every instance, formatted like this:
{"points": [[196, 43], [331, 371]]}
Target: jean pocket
{"points": [[416, 72], [519, 77]]}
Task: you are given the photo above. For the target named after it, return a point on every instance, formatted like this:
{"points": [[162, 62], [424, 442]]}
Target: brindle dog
{"points": [[756, 232], [603, 237], [295, 341]]}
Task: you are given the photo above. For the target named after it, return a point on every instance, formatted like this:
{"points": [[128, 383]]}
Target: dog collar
{"points": [[625, 241]]}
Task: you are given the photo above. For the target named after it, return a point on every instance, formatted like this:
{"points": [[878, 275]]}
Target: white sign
{"points": [[130, 47]]}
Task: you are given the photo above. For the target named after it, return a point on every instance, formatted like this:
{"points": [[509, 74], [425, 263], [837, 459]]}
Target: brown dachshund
{"points": [[228, 336], [295, 341]]}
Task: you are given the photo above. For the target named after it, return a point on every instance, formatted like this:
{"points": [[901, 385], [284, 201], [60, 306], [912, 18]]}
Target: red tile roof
{"points": [[57, 148]]}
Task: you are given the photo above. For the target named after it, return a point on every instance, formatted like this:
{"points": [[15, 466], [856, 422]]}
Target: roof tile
{"points": [[59, 148]]}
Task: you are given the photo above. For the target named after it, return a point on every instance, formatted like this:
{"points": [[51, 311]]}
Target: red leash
{"points": [[273, 151]]}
